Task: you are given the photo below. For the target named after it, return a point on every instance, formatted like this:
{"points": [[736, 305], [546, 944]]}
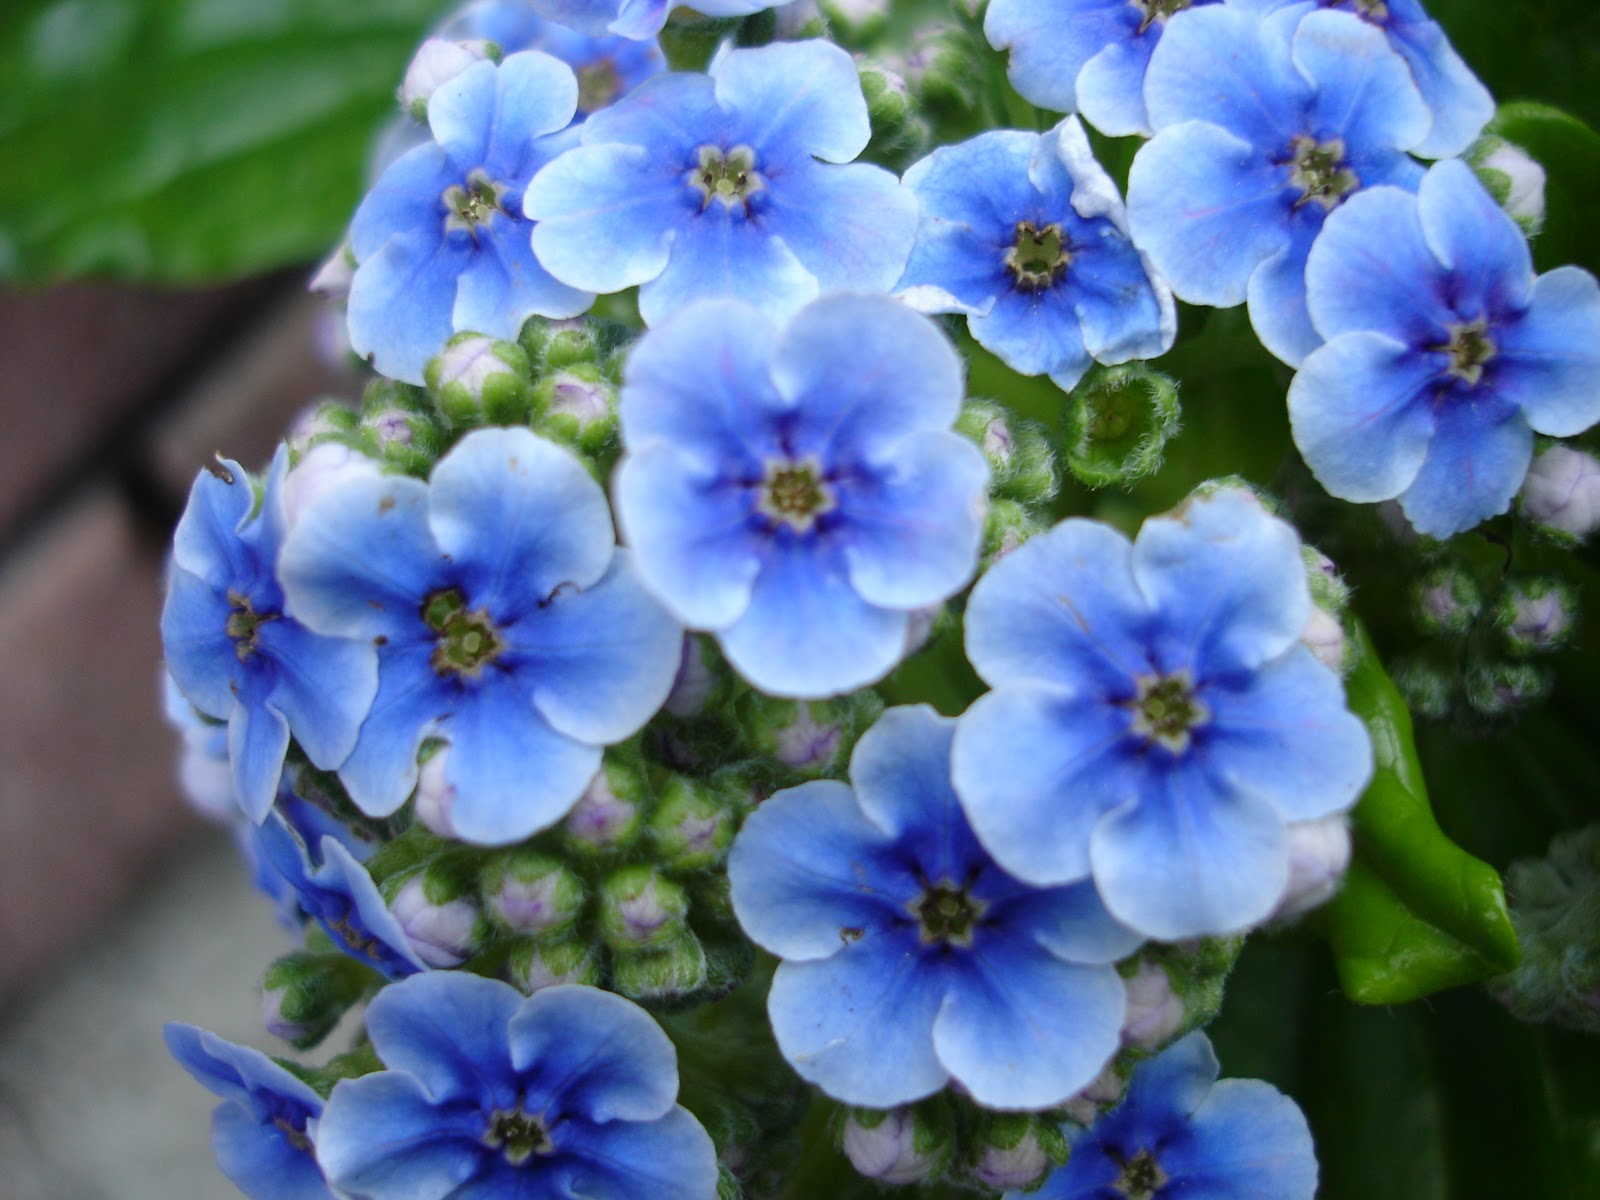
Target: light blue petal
{"points": [[981, 183], [1036, 774], [1173, 1084], [366, 918], [1276, 294], [694, 540], [536, 95], [810, 875], [208, 541], [593, 1054], [361, 558], [199, 653], [1550, 360], [592, 17], [851, 226], [383, 1138], [723, 254], [1021, 1029], [1476, 462], [601, 660], [261, 1161], [1111, 87], [1122, 311], [401, 300], [1360, 417], [952, 268], [1207, 209], [258, 738], [1034, 333], [1051, 40], [1228, 581], [1248, 1141], [1370, 269], [806, 633], [232, 1071], [1474, 238], [1189, 859], [382, 769], [900, 770], [512, 773], [518, 517], [668, 115], [1460, 104], [794, 100], [1071, 923], [462, 112], [505, 284], [1232, 69], [324, 688], [448, 1029], [671, 1158], [1286, 737], [1363, 90], [859, 1025], [407, 199], [911, 535], [617, 199]]}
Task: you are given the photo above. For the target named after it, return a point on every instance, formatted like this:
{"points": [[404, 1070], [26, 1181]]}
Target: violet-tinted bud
{"points": [[1503, 689], [1447, 601], [1022, 466], [1018, 1151], [528, 892], [1536, 615], [1006, 526], [1155, 1012], [531, 966], [810, 737], [1319, 855], [1561, 493], [324, 466], [442, 923], [606, 817], [640, 907], [670, 971], [477, 380], [578, 407], [435, 64], [1103, 1092], [318, 422], [892, 1147], [435, 795], [695, 681], [304, 994], [1324, 637], [691, 826]]}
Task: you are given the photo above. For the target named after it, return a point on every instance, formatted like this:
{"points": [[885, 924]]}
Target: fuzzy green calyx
{"points": [[1117, 424]]}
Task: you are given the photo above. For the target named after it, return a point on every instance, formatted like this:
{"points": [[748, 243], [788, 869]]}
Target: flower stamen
{"points": [[1469, 348], [467, 641], [729, 177], [948, 915], [518, 1136], [1166, 710], [1038, 257], [472, 204], [1321, 171], [795, 494], [244, 624]]}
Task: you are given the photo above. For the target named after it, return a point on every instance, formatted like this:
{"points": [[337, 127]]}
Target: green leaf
{"points": [[1417, 913], [184, 140], [1569, 151]]}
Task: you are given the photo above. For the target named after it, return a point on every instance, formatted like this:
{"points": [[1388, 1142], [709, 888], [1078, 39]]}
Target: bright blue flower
{"points": [[262, 1134], [489, 1094], [507, 621], [1027, 235], [799, 491], [1445, 354], [1155, 722], [738, 184], [910, 958], [440, 239], [1179, 1133], [1264, 125], [1086, 56], [340, 896], [638, 18], [234, 653]]}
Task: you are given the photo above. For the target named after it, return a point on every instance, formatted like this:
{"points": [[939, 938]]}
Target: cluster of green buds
{"points": [[1023, 475], [1555, 905]]}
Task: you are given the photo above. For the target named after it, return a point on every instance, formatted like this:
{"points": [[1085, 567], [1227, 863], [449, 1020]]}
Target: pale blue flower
{"points": [[734, 184], [507, 623], [799, 491], [638, 18], [1264, 124], [910, 959], [1155, 722], [1027, 235], [1444, 356], [491, 1094]]}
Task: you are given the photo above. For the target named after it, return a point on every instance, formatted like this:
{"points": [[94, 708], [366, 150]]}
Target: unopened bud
{"points": [[577, 406], [531, 966], [332, 280], [1019, 1150], [1319, 855], [304, 994], [325, 420], [1561, 493], [478, 380], [1324, 637], [856, 20], [443, 924], [1117, 423], [1155, 1012], [1502, 689], [1006, 526], [436, 63], [797, 19], [691, 826], [435, 796], [1555, 906], [672, 971], [810, 737], [1513, 178], [606, 817], [1328, 588], [323, 468], [560, 345], [943, 71], [892, 1147], [1447, 601], [697, 678], [899, 132], [1536, 615], [532, 893], [1022, 466], [1427, 691], [1103, 1092], [397, 426], [640, 907]]}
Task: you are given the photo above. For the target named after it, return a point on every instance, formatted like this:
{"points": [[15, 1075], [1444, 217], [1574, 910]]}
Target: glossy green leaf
{"points": [[1569, 151], [183, 140], [1417, 913]]}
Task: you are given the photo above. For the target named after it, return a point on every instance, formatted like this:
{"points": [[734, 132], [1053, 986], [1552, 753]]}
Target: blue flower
{"points": [[340, 896], [507, 623], [1178, 1132], [1028, 236], [570, 1092], [1264, 125], [234, 653], [1155, 722], [736, 184], [1445, 354], [440, 241], [637, 18], [799, 492], [910, 958], [1086, 56], [262, 1134]]}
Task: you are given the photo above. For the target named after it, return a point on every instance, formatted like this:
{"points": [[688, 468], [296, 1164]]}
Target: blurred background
{"points": [[171, 172]]}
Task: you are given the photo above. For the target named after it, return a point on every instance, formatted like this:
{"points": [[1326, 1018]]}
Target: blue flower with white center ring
{"points": [[1265, 124], [1085, 56], [1027, 235], [911, 959], [489, 1093], [738, 183], [1179, 1132], [262, 1133], [507, 623], [799, 491], [237, 656], [1155, 722], [1444, 355], [440, 239]]}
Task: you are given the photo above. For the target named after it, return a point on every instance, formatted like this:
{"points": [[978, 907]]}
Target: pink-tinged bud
{"points": [[1561, 493], [275, 1022], [1537, 615], [443, 934], [532, 967], [435, 796], [1324, 637], [695, 681], [583, 400], [806, 743], [436, 63], [1155, 1012], [529, 892], [887, 1150], [1319, 855], [1102, 1093], [324, 467], [332, 280], [602, 819], [639, 907], [1018, 1166]]}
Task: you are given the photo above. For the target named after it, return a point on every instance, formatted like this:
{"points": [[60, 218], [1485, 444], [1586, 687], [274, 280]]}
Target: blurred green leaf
{"points": [[1417, 914], [184, 140]]}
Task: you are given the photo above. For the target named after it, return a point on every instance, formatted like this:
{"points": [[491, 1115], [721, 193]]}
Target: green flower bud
{"points": [[674, 970], [1536, 616], [534, 965], [856, 20], [901, 1147], [562, 345], [578, 407], [304, 994], [398, 427], [641, 908], [1197, 973], [899, 134], [477, 380], [1022, 467], [1006, 526], [608, 816], [945, 71], [1117, 423], [531, 893], [1016, 1152], [1515, 180], [691, 826], [324, 421], [1446, 601], [812, 738], [1429, 692], [1503, 689], [1555, 906]]}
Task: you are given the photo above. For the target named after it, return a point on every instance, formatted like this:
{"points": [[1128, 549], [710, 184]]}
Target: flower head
{"points": [[1155, 722], [799, 491], [1026, 234], [910, 958], [570, 1092], [507, 623], [1445, 354], [637, 18], [738, 183]]}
